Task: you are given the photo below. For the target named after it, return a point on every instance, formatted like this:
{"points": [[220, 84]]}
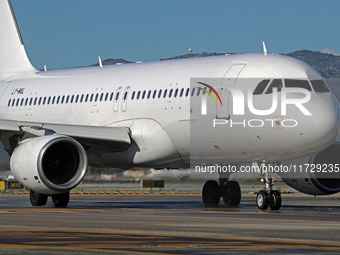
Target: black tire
{"points": [[275, 200], [61, 200], [233, 198], [262, 200], [211, 193], [38, 199]]}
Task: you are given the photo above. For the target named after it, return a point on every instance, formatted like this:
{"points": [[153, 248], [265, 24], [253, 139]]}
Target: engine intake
{"points": [[324, 179], [49, 164]]}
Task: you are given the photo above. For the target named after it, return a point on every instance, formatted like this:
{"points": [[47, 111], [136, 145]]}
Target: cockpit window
{"points": [[275, 84], [320, 86], [297, 84], [261, 87]]}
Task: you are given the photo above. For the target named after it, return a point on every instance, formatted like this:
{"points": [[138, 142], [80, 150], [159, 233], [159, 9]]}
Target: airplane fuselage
{"points": [[155, 101]]}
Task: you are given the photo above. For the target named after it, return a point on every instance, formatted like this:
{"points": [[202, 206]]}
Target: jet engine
{"points": [[49, 164], [318, 174]]}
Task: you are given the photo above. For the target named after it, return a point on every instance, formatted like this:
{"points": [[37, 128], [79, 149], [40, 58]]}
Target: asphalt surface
{"points": [[168, 224]]}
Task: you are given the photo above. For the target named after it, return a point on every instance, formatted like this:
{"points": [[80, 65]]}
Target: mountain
{"points": [[328, 65], [113, 61], [197, 55]]}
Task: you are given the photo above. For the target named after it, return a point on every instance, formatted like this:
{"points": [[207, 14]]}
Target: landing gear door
{"points": [[223, 111], [125, 97], [117, 99]]}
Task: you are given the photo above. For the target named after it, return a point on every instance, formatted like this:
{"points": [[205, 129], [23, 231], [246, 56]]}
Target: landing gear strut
{"points": [[229, 190], [268, 196]]}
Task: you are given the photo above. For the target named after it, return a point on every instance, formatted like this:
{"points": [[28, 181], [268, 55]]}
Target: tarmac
{"points": [[153, 223]]}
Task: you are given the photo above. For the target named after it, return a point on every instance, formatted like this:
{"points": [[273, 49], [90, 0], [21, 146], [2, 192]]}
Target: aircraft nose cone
{"points": [[326, 118]]}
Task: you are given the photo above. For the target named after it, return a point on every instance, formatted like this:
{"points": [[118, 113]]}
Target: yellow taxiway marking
{"points": [[117, 242]]}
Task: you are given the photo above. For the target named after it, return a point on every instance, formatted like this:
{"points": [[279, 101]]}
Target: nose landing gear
{"points": [[268, 196]]}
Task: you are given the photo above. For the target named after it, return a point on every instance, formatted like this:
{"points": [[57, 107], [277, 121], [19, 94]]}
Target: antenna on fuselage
{"points": [[264, 49], [100, 62]]}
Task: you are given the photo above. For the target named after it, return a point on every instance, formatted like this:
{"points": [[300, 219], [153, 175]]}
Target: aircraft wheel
{"points": [[233, 198], [211, 193], [38, 199], [61, 200], [262, 200], [275, 200]]}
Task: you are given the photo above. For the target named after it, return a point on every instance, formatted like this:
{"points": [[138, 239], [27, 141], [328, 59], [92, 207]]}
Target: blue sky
{"points": [[71, 33]]}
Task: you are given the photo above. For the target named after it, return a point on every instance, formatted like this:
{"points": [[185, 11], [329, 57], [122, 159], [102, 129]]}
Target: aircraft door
{"points": [[223, 111], [125, 97], [116, 99]]}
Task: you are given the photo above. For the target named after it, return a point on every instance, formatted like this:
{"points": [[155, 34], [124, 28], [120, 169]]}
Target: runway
{"points": [[169, 224]]}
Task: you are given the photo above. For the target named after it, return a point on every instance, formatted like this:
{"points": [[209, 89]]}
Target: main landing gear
{"points": [[268, 196], [229, 190], [59, 200]]}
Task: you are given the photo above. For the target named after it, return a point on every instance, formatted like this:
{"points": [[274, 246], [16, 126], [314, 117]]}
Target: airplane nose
{"points": [[325, 119]]}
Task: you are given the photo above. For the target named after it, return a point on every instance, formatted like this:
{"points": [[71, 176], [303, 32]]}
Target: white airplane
{"points": [[219, 111]]}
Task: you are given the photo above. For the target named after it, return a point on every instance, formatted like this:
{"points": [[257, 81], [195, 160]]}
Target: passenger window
{"points": [[277, 83], [193, 92], [149, 94], [96, 98], [35, 100], [101, 97], [176, 92], [18, 100], [320, 86], [125, 95], [133, 95], [106, 96], [297, 84], [91, 98], [49, 100], [154, 94], [111, 97], [26, 101], [9, 102], [77, 98], [67, 98], [143, 94], [39, 101], [117, 96], [160, 94], [31, 101], [182, 91], [62, 99], [170, 93], [72, 98], [261, 87], [165, 92], [44, 101], [198, 92], [138, 95], [58, 100], [22, 102], [187, 93]]}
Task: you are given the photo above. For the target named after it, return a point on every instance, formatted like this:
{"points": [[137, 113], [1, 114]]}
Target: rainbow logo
{"points": [[204, 102]]}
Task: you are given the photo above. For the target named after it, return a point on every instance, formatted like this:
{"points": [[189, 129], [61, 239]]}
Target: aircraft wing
{"points": [[107, 138]]}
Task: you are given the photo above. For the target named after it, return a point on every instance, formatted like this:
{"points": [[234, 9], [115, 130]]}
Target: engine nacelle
{"points": [[322, 177], [49, 164]]}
